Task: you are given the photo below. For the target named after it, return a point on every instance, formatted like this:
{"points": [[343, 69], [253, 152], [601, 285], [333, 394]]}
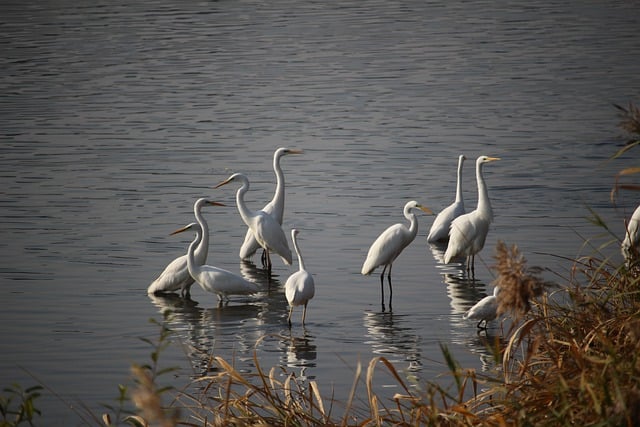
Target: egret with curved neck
{"points": [[265, 228], [299, 287], [386, 248], [439, 231], [213, 279], [275, 207], [176, 274], [469, 231]]}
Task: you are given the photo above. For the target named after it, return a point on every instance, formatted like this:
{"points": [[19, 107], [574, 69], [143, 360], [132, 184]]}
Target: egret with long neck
{"points": [[299, 287], [439, 231]]}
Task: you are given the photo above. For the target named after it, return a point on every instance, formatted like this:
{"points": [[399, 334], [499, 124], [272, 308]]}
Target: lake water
{"points": [[116, 116]]}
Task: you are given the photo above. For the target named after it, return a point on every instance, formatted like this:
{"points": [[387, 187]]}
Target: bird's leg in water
{"points": [[382, 286], [390, 288]]}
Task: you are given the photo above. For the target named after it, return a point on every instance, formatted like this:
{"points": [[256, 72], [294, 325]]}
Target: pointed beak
{"points": [[212, 203], [295, 151], [493, 159], [180, 230], [226, 181], [426, 210]]}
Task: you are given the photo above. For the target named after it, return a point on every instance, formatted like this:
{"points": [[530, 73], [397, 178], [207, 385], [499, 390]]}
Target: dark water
{"points": [[116, 116]]}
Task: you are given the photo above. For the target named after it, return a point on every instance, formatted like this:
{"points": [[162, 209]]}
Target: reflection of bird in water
{"points": [[631, 241], [176, 275], [299, 287], [301, 352], [462, 291], [213, 279], [484, 310], [392, 339], [275, 207], [469, 231], [390, 243], [265, 228], [205, 330], [439, 231]]}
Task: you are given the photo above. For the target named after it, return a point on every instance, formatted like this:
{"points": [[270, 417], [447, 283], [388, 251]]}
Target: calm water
{"points": [[116, 116]]}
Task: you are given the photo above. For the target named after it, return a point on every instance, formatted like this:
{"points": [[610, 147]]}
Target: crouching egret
{"points": [[469, 231], [386, 248], [439, 231], [176, 275], [213, 279], [631, 241], [265, 228], [484, 310], [275, 207], [299, 287]]}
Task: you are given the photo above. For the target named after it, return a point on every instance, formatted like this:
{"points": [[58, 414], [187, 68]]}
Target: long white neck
{"points": [[244, 211], [484, 205], [413, 227], [459, 183], [295, 245], [277, 202], [203, 247], [192, 265]]}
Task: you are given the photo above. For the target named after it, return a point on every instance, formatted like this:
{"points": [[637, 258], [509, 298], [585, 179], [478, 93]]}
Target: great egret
{"points": [[264, 227], [631, 242], [213, 279], [439, 231], [299, 287], [469, 231], [275, 207], [176, 275], [386, 248], [484, 310]]}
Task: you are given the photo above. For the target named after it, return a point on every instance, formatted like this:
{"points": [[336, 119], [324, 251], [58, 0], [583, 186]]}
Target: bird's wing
{"points": [[172, 277]]}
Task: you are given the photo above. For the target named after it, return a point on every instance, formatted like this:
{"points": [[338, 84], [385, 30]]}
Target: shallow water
{"points": [[116, 117]]}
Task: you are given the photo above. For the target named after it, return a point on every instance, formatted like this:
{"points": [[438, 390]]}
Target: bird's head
{"points": [[185, 228], [413, 204], [283, 151], [204, 201], [236, 176], [487, 159]]}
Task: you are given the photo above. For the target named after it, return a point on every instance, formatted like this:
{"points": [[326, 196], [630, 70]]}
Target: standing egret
{"points": [[266, 229], [484, 310], [299, 287], [213, 279], [176, 275], [631, 242], [439, 231], [390, 244], [469, 231], [275, 207]]}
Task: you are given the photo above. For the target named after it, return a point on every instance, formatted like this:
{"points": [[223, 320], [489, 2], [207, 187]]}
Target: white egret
{"points": [[469, 231], [299, 287], [176, 275], [439, 231], [213, 279], [484, 310], [631, 241], [275, 207], [386, 248], [265, 228]]}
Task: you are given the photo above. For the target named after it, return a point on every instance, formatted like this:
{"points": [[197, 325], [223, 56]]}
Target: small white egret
{"points": [[484, 310], [213, 279], [275, 207], [469, 231], [176, 275], [439, 231], [265, 228], [631, 241], [299, 287], [386, 248]]}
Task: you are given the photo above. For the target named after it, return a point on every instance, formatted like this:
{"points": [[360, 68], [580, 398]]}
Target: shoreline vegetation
{"points": [[570, 356]]}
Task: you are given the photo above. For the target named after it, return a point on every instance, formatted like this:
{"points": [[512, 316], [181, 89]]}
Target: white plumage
{"points": [[299, 287], [439, 231], [484, 310], [469, 231], [631, 241]]}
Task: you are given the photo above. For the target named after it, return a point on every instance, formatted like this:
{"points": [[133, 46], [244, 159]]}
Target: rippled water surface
{"points": [[115, 117]]}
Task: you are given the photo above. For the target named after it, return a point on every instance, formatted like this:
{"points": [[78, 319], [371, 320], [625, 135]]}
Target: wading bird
{"points": [[176, 275], [265, 228], [469, 231], [484, 310], [213, 279], [299, 287], [275, 207], [386, 248], [631, 242], [439, 231]]}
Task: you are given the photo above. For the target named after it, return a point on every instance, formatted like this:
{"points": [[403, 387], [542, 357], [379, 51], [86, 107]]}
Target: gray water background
{"points": [[116, 116]]}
